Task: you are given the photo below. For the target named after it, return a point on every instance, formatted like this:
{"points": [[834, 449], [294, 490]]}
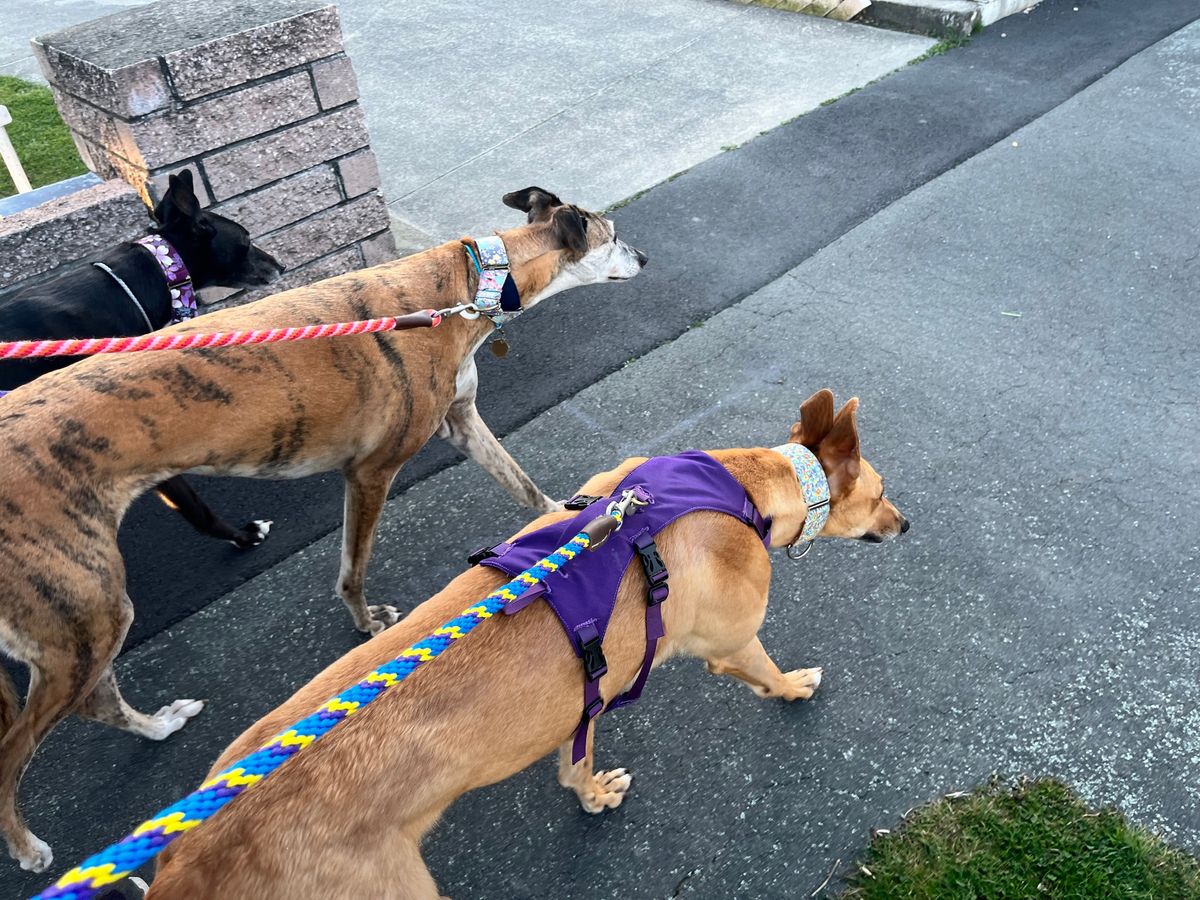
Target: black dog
{"points": [[126, 292]]}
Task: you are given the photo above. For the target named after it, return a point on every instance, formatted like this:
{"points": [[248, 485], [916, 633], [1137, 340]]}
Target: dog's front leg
{"points": [[468, 434], [366, 492], [752, 665], [597, 791]]}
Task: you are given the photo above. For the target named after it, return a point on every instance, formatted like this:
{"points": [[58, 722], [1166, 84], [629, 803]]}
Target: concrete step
{"points": [[941, 18]]}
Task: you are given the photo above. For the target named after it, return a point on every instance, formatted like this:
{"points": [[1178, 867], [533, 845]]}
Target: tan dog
{"points": [[345, 817], [83, 442]]}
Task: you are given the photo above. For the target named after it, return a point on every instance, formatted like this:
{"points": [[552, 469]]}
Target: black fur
{"points": [[87, 302]]}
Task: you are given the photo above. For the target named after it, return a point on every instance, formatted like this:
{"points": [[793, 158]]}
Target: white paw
{"points": [[170, 719], [802, 683], [255, 533], [382, 617], [610, 789], [37, 858]]}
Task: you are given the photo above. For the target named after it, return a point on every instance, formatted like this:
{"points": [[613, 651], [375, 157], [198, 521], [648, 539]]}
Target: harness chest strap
{"points": [[584, 599]]}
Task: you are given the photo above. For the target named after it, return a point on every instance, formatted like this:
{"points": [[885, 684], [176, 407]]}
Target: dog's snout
{"points": [[642, 258], [903, 525]]}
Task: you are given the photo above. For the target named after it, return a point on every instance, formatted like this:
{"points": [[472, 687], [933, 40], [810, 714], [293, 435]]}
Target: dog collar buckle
{"points": [[815, 487]]}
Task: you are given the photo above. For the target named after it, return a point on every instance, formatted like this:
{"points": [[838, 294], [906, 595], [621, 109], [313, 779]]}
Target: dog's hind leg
{"points": [[105, 704], [54, 686], [597, 791], [468, 433], [366, 492], [410, 876], [10, 704], [752, 665], [179, 495]]}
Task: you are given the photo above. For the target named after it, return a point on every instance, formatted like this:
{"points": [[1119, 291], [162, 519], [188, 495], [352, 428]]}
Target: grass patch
{"points": [[943, 46], [41, 139], [1032, 839]]}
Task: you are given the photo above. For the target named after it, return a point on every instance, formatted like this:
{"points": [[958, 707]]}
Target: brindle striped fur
{"points": [[83, 442]]}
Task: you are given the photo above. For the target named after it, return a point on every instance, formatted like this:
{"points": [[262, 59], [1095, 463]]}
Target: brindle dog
{"points": [[89, 439]]}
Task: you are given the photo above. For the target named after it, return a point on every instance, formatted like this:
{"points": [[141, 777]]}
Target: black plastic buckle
{"points": [[478, 556], [594, 663], [656, 573], [594, 708], [580, 501]]}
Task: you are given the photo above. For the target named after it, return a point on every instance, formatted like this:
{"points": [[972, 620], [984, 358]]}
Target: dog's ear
{"points": [[570, 227], [816, 418], [179, 207], [532, 200], [838, 451]]}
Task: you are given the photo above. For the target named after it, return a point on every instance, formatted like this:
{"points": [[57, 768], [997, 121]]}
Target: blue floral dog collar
{"points": [[496, 296], [813, 483]]}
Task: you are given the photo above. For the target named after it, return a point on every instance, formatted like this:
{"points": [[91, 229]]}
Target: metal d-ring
{"points": [[803, 553]]}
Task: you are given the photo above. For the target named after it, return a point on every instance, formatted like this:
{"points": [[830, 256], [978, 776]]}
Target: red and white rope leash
{"points": [[426, 318]]}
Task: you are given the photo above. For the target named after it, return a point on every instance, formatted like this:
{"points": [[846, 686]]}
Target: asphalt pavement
{"points": [[716, 234], [1013, 300]]}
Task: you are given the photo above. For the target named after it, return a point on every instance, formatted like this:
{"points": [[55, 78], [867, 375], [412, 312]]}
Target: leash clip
{"points": [[634, 497], [614, 514]]}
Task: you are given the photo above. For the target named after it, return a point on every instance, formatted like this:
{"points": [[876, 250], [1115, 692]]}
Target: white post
{"points": [[9, 155]]}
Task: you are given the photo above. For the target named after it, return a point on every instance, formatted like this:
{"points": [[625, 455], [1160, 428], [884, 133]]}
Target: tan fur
{"points": [[345, 818], [83, 442]]}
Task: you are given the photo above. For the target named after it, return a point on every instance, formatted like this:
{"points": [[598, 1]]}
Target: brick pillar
{"points": [[258, 99]]}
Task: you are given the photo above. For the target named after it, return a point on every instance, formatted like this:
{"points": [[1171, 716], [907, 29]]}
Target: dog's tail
{"points": [[10, 703]]}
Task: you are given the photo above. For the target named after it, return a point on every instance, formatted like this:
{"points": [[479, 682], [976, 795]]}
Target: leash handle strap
{"points": [[426, 318], [144, 843]]}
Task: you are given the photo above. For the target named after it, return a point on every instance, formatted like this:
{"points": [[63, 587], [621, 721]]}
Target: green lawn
{"points": [[1035, 839], [39, 135]]}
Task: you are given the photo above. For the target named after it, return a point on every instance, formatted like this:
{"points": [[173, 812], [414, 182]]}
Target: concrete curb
{"points": [[937, 18], [941, 18]]}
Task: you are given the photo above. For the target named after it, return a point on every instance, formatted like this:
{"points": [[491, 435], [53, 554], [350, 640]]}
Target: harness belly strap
{"points": [[584, 598]]}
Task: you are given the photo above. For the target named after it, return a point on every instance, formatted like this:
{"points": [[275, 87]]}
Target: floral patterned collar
{"points": [[496, 294], [813, 483], [179, 280]]}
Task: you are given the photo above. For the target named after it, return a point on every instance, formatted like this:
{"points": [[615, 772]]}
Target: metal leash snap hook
{"points": [[803, 553], [613, 518], [469, 313], [619, 508]]}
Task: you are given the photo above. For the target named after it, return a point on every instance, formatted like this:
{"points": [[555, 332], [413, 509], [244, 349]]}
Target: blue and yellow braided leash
{"points": [[120, 859]]}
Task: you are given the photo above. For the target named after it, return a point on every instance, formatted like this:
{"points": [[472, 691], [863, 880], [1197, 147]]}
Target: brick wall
{"points": [[258, 99], [84, 224]]}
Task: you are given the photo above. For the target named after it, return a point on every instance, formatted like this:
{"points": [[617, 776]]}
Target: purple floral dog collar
{"points": [[813, 483], [179, 280]]}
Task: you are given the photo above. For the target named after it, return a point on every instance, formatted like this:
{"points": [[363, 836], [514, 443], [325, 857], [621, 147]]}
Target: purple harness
{"points": [[584, 596]]}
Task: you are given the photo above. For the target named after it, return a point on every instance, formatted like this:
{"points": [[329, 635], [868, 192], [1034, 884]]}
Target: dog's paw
{"points": [[382, 617], [607, 791], [34, 855], [253, 534], [798, 684], [131, 888], [170, 719]]}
